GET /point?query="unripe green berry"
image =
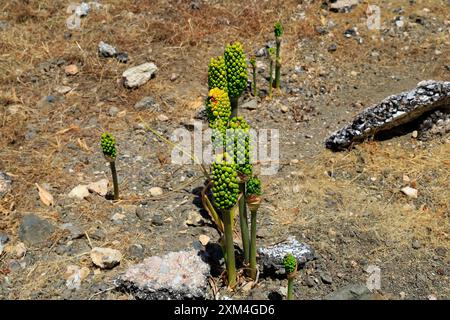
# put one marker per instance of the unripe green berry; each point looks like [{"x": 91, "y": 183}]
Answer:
[
  {"x": 108, "y": 144},
  {"x": 254, "y": 186},
  {"x": 290, "y": 263}
]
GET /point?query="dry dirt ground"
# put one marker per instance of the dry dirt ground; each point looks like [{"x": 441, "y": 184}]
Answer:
[{"x": 347, "y": 205}]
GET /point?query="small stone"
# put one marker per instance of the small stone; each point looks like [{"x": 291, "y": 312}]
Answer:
[
  {"x": 416, "y": 244},
  {"x": 414, "y": 134},
  {"x": 122, "y": 57},
  {"x": 34, "y": 230},
  {"x": 332, "y": 47},
  {"x": 146, "y": 103},
  {"x": 105, "y": 258},
  {"x": 284, "y": 109},
  {"x": 157, "y": 220},
  {"x": 296, "y": 189},
  {"x": 118, "y": 217},
  {"x": 173, "y": 77},
  {"x": 250, "y": 105},
  {"x": 5, "y": 184},
  {"x": 71, "y": 70},
  {"x": 410, "y": 192},
  {"x": 351, "y": 292},
  {"x": 20, "y": 250},
  {"x": 156, "y": 192},
  {"x": 432, "y": 297},
  {"x": 163, "y": 118},
  {"x": 326, "y": 278},
  {"x": 309, "y": 281},
  {"x": 74, "y": 276},
  {"x": 354, "y": 73},
  {"x": 343, "y": 6},
  {"x": 113, "y": 111},
  {"x": 137, "y": 76},
  {"x": 106, "y": 50},
  {"x": 194, "y": 219},
  {"x": 80, "y": 192},
  {"x": 63, "y": 89},
  {"x": 402, "y": 295},
  {"x": 204, "y": 239},
  {"x": 136, "y": 251},
  {"x": 100, "y": 187},
  {"x": 143, "y": 213},
  {"x": 75, "y": 232}
]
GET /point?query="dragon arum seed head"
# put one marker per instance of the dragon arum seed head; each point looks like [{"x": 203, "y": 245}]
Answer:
[
  {"x": 236, "y": 69},
  {"x": 278, "y": 29},
  {"x": 108, "y": 144},
  {"x": 239, "y": 146},
  {"x": 219, "y": 132},
  {"x": 218, "y": 105},
  {"x": 290, "y": 264},
  {"x": 225, "y": 183},
  {"x": 217, "y": 74}
]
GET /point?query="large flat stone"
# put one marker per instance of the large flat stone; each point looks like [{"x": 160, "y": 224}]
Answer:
[
  {"x": 177, "y": 275},
  {"x": 137, "y": 76},
  {"x": 34, "y": 230}
]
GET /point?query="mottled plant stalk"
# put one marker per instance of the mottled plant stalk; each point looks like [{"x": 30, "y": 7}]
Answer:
[
  {"x": 112, "y": 164},
  {"x": 270, "y": 77},
  {"x": 253, "y": 201},
  {"x": 278, "y": 31},
  {"x": 290, "y": 289},
  {"x": 234, "y": 106},
  {"x": 253, "y": 64},
  {"x": 229, "y": 248},
  {"x": 278, "y": 64},
  {"x": 243, "y": 220}
]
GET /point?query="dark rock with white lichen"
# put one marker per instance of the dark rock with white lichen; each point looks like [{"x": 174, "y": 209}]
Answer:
[{"x": 394, "y": 111}]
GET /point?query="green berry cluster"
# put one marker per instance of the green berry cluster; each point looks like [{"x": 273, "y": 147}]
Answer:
[
  {"x": 108, "y": 144},
  {"x": 238, "y": 144},
  {"x": 278, "y": 29},
  {"x": 236, "y": 69},
  {"x": 218, "y": 105},
  {"x": 290, "y": 263},
  {"x": 219, "y": 132},
  {"x": 217, "y": 74},
  {"x": 254, "y": 186},
  {"x": 225, "y": 188}
]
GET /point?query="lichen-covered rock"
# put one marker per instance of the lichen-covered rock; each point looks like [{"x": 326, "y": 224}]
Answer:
[
  {"x": 394, "y": 111},
  {"x": 177, "y": 275},
  {"x": 137, "y": 76},
  {"x": 271, "y": 257}
]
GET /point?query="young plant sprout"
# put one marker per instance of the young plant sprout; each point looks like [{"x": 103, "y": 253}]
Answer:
[
  {"x": 290, "y": 266},
  {"x": 217, "y": 74},
  {"x": 108, "y": 144},
  {"x": 239, "y": 147},
  {"x": 278, "y": 30},
  {"x": 271, "y": 58},
  {"x": 237, "y": 74},
  {"x": 225, "y": 192},
  {"x": 253, "y": 64},
  {"x": 253, "y": 199}
]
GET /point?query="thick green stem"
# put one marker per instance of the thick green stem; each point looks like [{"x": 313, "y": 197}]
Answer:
[
  {"x": 271, "y": 77},
  {"x": 278, "y": 64},
  {"x": 229, "y": 247},
  {"x": 115, "y": 182},
  {"x": 253, "y": 270},
  {"x": 290, "y": 293},
  {"x": 243, "y": 219},
  {"x": 255, "y": 93},
  {"x": 234, "y": 106}
]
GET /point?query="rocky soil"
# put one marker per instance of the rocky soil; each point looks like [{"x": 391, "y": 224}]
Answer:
[{"x": 61, "y": 237}]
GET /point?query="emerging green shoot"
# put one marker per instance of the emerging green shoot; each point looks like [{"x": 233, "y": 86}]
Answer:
[
  {"x": 278, "y": 30},
  {"x": 108, "y": 144},
  {"x": 290, "y": 266}
]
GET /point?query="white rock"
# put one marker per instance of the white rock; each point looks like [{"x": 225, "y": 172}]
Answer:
[
  {"x": 105, "y": 258},
  {"x": 74, "y": 276},
  {"x": 414, "y": 134},
  {"x": 163, "y": 118},
  {"x": 100, "y": 187},
  {"x": 20, "y": 250},
  {"x": 204, "y": 239},
  {"x": 410, "y": 192},
  {"x": 156, "y": 192},
  {"x": 194, "y": 219},
  {"x": 80, "y": 192},
  {"x": 63, "y": 89},
  {"x": 137, "y": 76},
  {"x": 118, "y": 217},
  {"x": 106, "y": 50}
]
